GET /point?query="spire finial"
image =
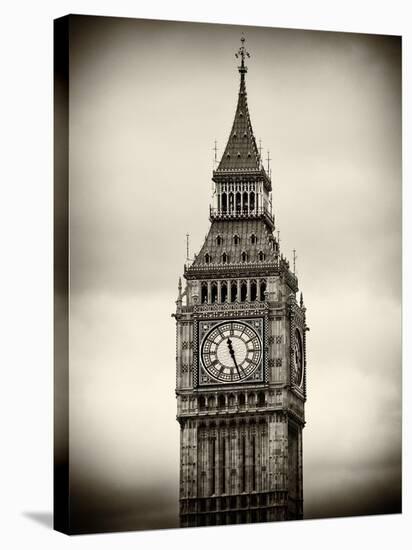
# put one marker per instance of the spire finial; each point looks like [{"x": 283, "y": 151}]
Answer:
[
  {"x": 215, "y": 149},
  {"x": 242, "y": 53},
  {"x": 187, "y": 247}
]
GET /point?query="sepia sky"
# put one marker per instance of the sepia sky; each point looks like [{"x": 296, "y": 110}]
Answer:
[{"x": 147, "y": 101}]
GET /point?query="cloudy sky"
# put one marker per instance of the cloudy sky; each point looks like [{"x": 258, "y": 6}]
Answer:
[{"x": 147, "y": 101}]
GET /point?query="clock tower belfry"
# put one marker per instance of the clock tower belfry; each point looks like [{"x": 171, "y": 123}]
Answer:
[{"x": 240, "y": 352}]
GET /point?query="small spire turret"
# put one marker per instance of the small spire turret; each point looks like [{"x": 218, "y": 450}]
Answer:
[
  {"x": 179, "y": 295},
  {"x": 294, "y": 261}
]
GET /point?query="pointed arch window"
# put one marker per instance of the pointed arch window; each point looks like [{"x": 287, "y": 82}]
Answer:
[
  {"x": 214, "y": 292},
  {"x": 261, "y": 256},
  {"x": 243, "y": 291},
  {"x": 224, "y": 203},
  {"x": 252, "y": 201},
  {"x": 253, "y": 238},
  {"x": 261, "y": 399},
  {"x": 253, "y": 290},
  {"x": 236, "y": 239},
  {"x": 244, "y": 257},
  {"x": 238, "y": 202},
  {"x": 262, "y": 290},
  {"x": 233, "y": 291},
  {"x": 208, "y": 258},
  {"x": 223, "y": 292},
  {"x": 225, "y": 258},
  {"x": 219, "y": 240},
  {"x": 245, "y": 201},
  {"x": 204, "y": 293}
]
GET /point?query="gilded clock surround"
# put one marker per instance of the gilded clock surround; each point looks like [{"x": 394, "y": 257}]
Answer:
[{"x": 240, "y": 436}]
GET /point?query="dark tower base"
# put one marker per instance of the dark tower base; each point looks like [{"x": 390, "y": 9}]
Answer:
[
  {"x": 240, "y": 466},
  {"x": 235, "y": 509}
]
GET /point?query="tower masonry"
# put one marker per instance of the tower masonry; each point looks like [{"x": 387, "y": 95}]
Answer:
[{"x": 240, "y": 352}]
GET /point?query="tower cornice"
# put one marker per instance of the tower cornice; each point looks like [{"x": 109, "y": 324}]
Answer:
[{"x": 226, "y": 175}]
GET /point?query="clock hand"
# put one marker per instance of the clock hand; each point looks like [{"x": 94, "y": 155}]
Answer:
[{"x": 232, "y": 354}]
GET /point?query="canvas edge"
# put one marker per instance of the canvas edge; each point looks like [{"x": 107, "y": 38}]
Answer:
[{"x": 61, "y": 506}]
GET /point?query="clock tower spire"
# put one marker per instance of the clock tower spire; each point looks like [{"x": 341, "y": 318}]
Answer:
[
  {"x": 241, "y": 162},
  {"x": 241, "y": 359}
]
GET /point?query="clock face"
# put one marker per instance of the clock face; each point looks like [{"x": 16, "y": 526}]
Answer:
[
  {"x": 298, "y": 358},
  {"x": 231, "y": 351}
]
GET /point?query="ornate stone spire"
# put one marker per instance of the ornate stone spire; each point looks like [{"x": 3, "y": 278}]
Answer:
[
  {"x": 242, "y": 186},
  {"x": 241, "y": 152}
]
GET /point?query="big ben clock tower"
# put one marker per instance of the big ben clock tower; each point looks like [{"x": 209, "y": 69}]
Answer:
[{"x": 240, "y": 353}]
